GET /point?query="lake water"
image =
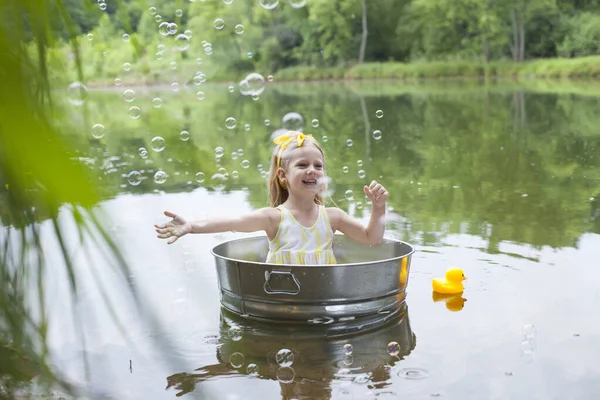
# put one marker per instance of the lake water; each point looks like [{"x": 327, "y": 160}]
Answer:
[{"x": 502, "y": 181}]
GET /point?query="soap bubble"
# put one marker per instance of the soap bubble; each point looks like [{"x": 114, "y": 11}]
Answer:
[
  {"x": 359, "y": 163},
  {"x": 159, "y": 55},
  {"x": 200, "y": 95},
  {"x": 230, "y": 123},
  {"x": 160, "y": 177},
  {"x": 198, "y": 60},
  {"x": 219, "y": 151},
  {"x": 129, "y": 95},
  {"x": 293, "y": 121},
  {"x": 239, "y": 29},
  {"x": 118, "y": 81},
  {"x": 377, "y": 134},
  {"x": 349, "y": 195},
  {"x": 173, "y": 65},
  {"x": 231, "y": 88},
  {"x": 182, "y": 42},
  {"x": 90, "y": 36},
  {"x": 361, "y": 174},
  {"x": 102, "y": 6},
  {"x": 315, "y": 123},
  {"x": 219, "y": 23},
  {"x": 236, "y": 360},
  {"x": 173, "y": 28},
  {"x": 157, "y": 102},
  {"x": 349, "y": 143},
  {"x": 393, "y": 348},
  {"x": 184, "y": 135},
  {"x": 285, "y": 357},
  {"x": 126, "y": 37},
  {"x": 152, "y": 10},
  {"x": 324, "y": 138},
  {"x": 178, "y": 12},
  {"x": 240, "y": 152},
  {"x": 285, "y": 374},
  {"x": 134, "y": 112},
  {"x": 270, "y": 78},
  {"x": 157, "y": 18},
  {"x": 529, "y": 331},
  {"x": 267, "y": 122},
  {"x": 126, "y": 67},
  {"x": 175, "y": 86},
  {"x": 297, "y": 3},
  {"x": 200, "y": 177},
  {"x": 163, "y": 28},
  {"x": 379, "y": 114},
  {"x": 158, "y": 144},
  {"x": 77, "y": 93},
  {"x": 235, "y": 174},
  {"x": 252, "y": 369},
  {"x": 345, "y": 169},
  {"x": 252, "y": 85},
  {"x": 143, "y": 152},
  {"x": 245, "y": 164},
  {"x": 247, "y": 127},
  {"x": 188, "y": 33},
  {"x": 250, "y": 54},
  {"x": 98, "y": 131},
  {"x": 134, "y": 178},
  {"x": 348, "y": 349},
  {"x": 227, "y": 2},
  {"x": 269, "y": 4}
]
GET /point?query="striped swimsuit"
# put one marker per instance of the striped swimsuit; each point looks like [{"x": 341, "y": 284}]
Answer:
[{"x": 297, "y": 244}]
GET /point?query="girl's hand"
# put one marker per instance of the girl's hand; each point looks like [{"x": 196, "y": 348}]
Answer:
[
  {"x": 377, "y": 194},
  {"x": 173, "y": 229}
]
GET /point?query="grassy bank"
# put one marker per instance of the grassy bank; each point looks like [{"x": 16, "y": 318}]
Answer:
[{"x": 583, "y": 67}]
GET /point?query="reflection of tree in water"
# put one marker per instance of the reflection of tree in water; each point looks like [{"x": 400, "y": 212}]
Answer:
[{"x": 320, "y": 362}]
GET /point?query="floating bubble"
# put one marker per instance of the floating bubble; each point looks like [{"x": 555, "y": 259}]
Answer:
[
  {"x": 379, "y": 114},
  {"x": 184, "y": 135},
  {"x": 269, "y": 4},
  {"x": 234, "y": 155},
  {"x": 349, "y": 143},
  {"x": 158, "y": 144},
  {"x": 157, "y": 102},
  {"x": 324, "y": 138},
  {"x": 77, "y": 93},
  {"x": 284, "y": 357},
  {"x": 200, "y": 95},
  {"x": 315, "y": 123},
  {"x": 345, "y": 169},
  {"x": 175, "y": 86},
  {"x": 200, "y": 177},
  {"x": 247, "y": 127},
  {"x": 118, "y": 81},
  {"x": 126, "y": 37},
  {"x": 163, "y": 28},
  {"x": 173, "y": 28},
  {"x": 359, "y": 163},
  {"x": 178, "y": 12},
  {"x": 219, "y": 24},
  {"x": 188, "y": 33},
  {"x": 252, "y": 85},
  {"x": 297, "y": 3},
  {"x": 348, "y": 349},
  {"x": 270, "y": 78},
  {"x": 129, "y": 95},
  {"x": 173, "y": 65},
  {"x": 227, "y": 2},
  {"x": 160, "y": 177},
  {"x": 245, "y": 164},
  {"x": 235, "y": 174},
  {"x": 161, "y": 47},
  {"x": 393, "y": 348},
  {"x": 235, "y": 333},
  {"x": 126, "y": 67},
  {"x": 143, "y": 152},
  {"x": 349, "y": 195},
  {"x": 240, "y": 152},
  {"x": 285, "y": 375},
  {"x": 182, "y": 42},
  {"x": 252, "y": 369},
  {"x": 219, "y": 151},
  {"x": 157, "y": 18},
  {"x": 90, "y": 36},
  {"x": 134, "y": 178},
  {"x": 250, "y": 54},
  {"x": 230, "y": 123},
  {"x": 134, "y": 112},
  {"x": 377, "y": 134},
  {"x": 159, "y": 55},
  {"x": 529, "y": 331},
  {"x": 199, "y": 61},
  {"x": 361, "y": 174},
  {"x": 152, "y": 10},
  {"x": 197, "y": 80},
  {"x": 236, "y": 360},
  {"x": 239, "y": 29},
  {"x": 98, "y": 131},
  {"x": 293, "y": 121},
  {"x": 102, "y": 6},
  {"x": 231, "y": 88}
]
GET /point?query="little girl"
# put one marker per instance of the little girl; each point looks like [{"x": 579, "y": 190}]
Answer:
[{"x": 300, "y": 229}]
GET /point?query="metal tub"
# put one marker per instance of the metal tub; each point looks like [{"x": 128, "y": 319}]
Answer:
[{"x": 367, "y": 280}]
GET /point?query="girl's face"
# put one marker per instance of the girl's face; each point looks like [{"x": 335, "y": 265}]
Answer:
[{"x": 305, "y": 171}]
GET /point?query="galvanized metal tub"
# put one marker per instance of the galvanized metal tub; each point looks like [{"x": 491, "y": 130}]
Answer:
[{"x": 367, "y": 280}]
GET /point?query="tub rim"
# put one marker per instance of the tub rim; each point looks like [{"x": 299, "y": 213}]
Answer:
[{"x": 212, "y": 251}]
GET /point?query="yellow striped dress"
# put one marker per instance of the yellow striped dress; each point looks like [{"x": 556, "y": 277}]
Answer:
[{"x": 297, "y": 244}]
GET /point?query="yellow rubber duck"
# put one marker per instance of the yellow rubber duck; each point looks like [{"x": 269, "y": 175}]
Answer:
[{"x": 452, "y": 283}]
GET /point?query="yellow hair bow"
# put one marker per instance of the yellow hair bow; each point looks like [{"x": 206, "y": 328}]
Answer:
[{"x": 285, "y": 141}]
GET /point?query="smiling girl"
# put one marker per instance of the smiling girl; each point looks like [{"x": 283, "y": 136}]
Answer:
[{"x": 299, "y": 227}]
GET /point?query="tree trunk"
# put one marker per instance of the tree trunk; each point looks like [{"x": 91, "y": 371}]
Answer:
[
  {"x": 486, "y": 48},
  {"x": 515, "y": 42},
  {"x": 522, "y": 34},
  {"x": 365, "y": 33}
]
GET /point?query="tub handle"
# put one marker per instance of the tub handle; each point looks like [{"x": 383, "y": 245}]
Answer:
[{"x": 269, "y": 290}]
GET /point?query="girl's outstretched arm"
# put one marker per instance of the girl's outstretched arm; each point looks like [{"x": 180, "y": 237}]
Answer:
[
  {"x": 264, "y": 219},
  {"x": 372, "y": 234}
]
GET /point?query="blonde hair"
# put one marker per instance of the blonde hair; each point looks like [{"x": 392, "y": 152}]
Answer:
[{"x": 278, "y": 194}]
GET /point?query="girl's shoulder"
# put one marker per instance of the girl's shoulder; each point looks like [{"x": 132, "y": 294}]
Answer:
[{"x": 334, "y": 214}]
